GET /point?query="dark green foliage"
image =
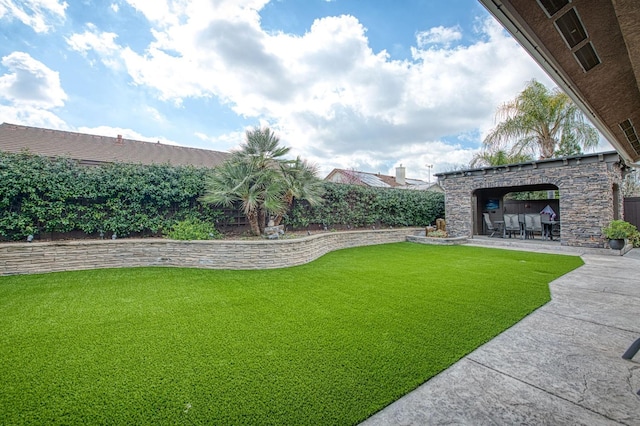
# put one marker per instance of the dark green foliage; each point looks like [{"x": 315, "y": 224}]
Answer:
[
  {"x": 619, "y": 230},
  {"x": 193, "y": 229},
  {"x": 530, "y": 195},
  {"x": 359, "y": 206},
  {"x": 568, "y": 146},
  {"x": 327, "y": 343},
  {"x": 38, "y": 194}
]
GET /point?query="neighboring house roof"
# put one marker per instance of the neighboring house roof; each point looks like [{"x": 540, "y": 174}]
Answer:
[
  {"x": 378, "y": 180},
  {"x": 92, "y": 149}
]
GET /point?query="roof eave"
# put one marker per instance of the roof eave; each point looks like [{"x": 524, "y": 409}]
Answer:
[{"x": 526, "y": 40}]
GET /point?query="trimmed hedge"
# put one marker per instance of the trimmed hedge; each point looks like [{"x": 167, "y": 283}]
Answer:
[
  {"x": 40, "y": 195},
  {"x": 362, "y": 206}
]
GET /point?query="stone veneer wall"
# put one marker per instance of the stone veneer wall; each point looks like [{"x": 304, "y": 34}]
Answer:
[
  {"x": 585, "y": 185},
  {"x": 28, "y": 258}
]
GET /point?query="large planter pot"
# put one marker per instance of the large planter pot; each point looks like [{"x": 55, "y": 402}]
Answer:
[{"x": 616, "y": 244}]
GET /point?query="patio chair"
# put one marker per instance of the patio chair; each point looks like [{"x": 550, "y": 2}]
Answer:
[
  {"x": 532, "y": 224},
  {"x": 521, "y": 222},
  {"x": 512, "y": 225},
  {"x": 489, "y": 225}
]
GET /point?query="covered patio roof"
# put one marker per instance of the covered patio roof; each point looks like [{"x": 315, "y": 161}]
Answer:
[{"x": 591, "y": 49}]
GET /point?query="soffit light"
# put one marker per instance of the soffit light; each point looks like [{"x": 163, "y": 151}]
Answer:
[
  {"x": 553, "y": 6},
  {"x": 571, "y": 28},
  {"x": 587, "y": 56},
  {"x": 630, "y": 132}
]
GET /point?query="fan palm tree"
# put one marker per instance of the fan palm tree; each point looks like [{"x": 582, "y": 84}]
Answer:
[
  {"x": 301, "y": 182},
  {"x": 500, "y": 157},
  {"x": 538, "y": 121},
  {"x": 262, "y": 148},
  {"x": 240, "y": 182},
  {"x": 261, "y": 180}
]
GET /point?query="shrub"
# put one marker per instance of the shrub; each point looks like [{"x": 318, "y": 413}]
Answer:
[
  {"x": 359, "y": 206},
  {"x": 619, "y": 230},
  {"x": 193, "y": 229},
  {"x": 438, "y": 234},
  {"x": 38, "y": 194},
  {"x": 635, "y": 239}
]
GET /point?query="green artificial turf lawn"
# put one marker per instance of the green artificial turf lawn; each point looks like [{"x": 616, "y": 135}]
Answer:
[{"x": 330, "y": 342}]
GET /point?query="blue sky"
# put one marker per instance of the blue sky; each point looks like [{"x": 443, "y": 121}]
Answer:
[{"x": 364, "y": 85}]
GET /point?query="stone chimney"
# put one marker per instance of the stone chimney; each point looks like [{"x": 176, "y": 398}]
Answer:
[
  {"x": 400, "y": 175},
  {"x": 119, "y": 140}
]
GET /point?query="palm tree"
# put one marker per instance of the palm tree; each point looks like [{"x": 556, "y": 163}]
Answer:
[
  {"x": 256, "y": 191},
  {"x": 301, "y": 182},
  {"x": 261, "y": 180},
  {"x": 537, "y": 121},
  {"x": 262, "y": 148},
  {"x": 500, "y": 157}
]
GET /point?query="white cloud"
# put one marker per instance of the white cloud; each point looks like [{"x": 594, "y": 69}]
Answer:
[
  {"x": 224, "y": 142},
  {"x": 92, "y": 39},
  {"x": 102, "y": 43},
  {"x": 31, "y": 116},
  {"x": 438, "y": 35},
  {"x": 115, "y": 7},
  {"x": 30, "y": 83},
  {"x": 41, "y": 15},
  {"x": 327, "y": 93},
  {"x": 153, "y": 113},
  {"x": 126, "y": 133}
]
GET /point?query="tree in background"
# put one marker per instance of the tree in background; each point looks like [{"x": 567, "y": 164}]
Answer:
[
  {"x": 486, "y": 158},
  {"x": 261, "y": 180},
  {"x": 543, "y": 123},
  {"x": 631, "y": 184}
]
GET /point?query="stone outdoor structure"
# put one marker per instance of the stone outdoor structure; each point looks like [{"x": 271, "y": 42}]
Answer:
[{"x": 589, "y": 188}]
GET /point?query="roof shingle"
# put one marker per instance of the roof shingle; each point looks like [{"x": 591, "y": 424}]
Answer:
[{"x": 92, "y": 149}]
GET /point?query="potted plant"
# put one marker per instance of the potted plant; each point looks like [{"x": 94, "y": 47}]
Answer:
[{"x": 617, "y": 232}]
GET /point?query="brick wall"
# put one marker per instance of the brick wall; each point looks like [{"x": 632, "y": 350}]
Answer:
[
  {"x": 586, "y": 187},
  {"x": 27, "y": 258}
]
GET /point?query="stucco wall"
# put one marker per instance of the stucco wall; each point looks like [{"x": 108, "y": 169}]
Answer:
[
  {"x": 585, "y": 185},
  {"x": 27, "y": 258}
]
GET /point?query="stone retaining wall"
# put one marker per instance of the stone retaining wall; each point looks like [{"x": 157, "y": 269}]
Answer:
[{"x": 29, "y": 258}]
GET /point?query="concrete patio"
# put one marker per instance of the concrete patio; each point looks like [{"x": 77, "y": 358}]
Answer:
[{"x": 560, "y": 365}]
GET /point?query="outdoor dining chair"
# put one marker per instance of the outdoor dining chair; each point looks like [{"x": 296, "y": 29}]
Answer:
[
  {"x": 532, "y": 224},
  {"x": 490, "y": 226},
  {"x": 512, "y": 225}
]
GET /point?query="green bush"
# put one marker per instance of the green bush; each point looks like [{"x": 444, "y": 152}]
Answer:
[
  {"x": 635, "y": 239},
  {"x": 38, "y": 194},
  {"x": 619, "y": 230},
  {"x": 438, "y": 234},
  {"x": 360, "y": 206},
  {"x": 193, "y": 229}
]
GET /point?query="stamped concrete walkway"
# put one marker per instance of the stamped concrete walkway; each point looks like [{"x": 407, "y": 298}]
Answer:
[{"x": 561, "y": 365}]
